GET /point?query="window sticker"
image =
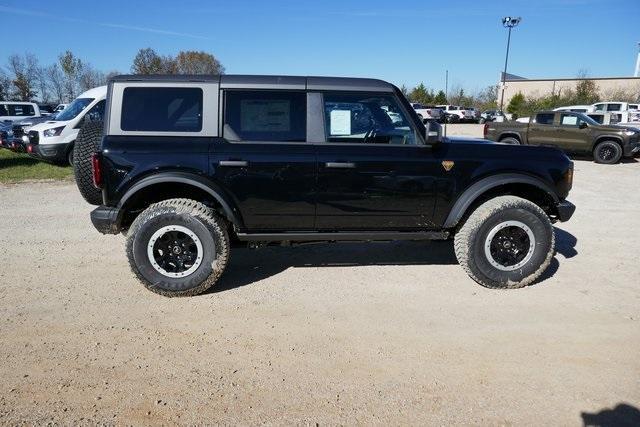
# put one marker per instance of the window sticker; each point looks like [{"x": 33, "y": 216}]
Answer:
[
  {"x": 265, "y": 115},
  {"x": 340, "y": 122},
  {"x": 570, "y": 120}
]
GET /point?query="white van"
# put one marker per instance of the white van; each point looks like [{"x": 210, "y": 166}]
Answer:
[
  {"x": 53, "y": 140},
  {"x": 10, "y": 111}
]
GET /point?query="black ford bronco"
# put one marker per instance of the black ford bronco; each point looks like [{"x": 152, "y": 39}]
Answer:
[{"x": 189, "y": 166}]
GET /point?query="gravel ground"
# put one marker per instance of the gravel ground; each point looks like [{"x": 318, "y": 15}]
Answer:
[{"x": 386, "y": 333}]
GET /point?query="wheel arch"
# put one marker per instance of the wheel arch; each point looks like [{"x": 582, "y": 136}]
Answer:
[
  {"x": 504, "y": 135},
  {"x": 170, "y": 185},
  {"x": 602, "y": 138},
  {"x": 525, "y": 186}
]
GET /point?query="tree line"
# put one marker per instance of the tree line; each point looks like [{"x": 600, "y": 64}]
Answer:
[
  {"x": 23, "y": 78},
  {"x": 483, "y": 100}
]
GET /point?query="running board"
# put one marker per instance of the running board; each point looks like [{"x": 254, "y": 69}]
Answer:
[{"x": 344, "y": 236}]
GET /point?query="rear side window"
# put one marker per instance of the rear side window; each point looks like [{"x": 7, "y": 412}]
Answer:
[
  {"x": 161, "y": 109},
  {"x": 3, "y": 110},
  {"x": 614, "y": 107},
  {"x": 19, "y": 110},
  {"x": 265, "y": 116},
  {"x": 545, "y": 118}
]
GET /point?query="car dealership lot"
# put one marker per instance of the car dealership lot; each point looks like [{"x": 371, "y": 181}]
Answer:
[{"x": 378, "y": 333}]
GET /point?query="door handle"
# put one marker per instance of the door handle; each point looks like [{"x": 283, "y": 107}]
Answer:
[
  {"x": 233, "y": 163},
  {"x": 340, "y": 165}
]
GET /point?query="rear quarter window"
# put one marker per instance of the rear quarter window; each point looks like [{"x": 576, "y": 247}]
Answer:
[{"x": 161, "y": 109}]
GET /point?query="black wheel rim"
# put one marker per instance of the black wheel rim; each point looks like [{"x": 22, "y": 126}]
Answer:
[
  {"x": 607, "y": 153},
  {"x": 510, "y": 246},
  {"x": 175, "y": 252}
]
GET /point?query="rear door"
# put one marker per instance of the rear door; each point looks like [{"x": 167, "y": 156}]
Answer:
[
  {"x": 263, "y": 158},
  {"x": 542, "y": 130},
  {"x": 373, "y": 173}
]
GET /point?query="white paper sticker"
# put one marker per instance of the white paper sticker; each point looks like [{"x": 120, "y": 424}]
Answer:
[{"x": 340, "y": 122}]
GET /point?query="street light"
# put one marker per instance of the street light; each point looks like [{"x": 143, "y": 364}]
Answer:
[{"x": 507, "y": 22}]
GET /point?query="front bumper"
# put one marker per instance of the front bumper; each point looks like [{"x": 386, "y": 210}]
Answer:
[
  {"x": 106, "y": 219},
  {"x": 50, "y": 152},
  {"x": 565, "y": 210},
  {"x": 632, "y": 149}
]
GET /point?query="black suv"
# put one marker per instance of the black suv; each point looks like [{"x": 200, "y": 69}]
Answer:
[{"x": 190, "y": 165}]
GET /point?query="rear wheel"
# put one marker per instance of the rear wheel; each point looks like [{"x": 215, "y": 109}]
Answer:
[
  {"x": 510, "y": 140},
  {"x": 507, "y": 242},
  {"x": 607, "y": 152},
  {"x": 178, "y": 247},
  {"x": 87, "y": 143}
]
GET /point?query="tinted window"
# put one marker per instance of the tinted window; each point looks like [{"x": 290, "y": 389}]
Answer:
[
  {"x": 614, "y": 107},
  {"x": 97, "y": 111},
  {"x": 597, "y": 117},
  {"x": 545, "y": 118},
  {"x": 20, "y": 110},
  {"x": 265, "y": 116},
  {"x": 599, "y": 107},
  {"x": 161, "y": 109},
  {"x": 366, "y": 118},
  {"x": 75, "y": 108}
]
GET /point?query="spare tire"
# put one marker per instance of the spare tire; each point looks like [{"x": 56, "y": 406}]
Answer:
[{"x": 87, "y": 143}]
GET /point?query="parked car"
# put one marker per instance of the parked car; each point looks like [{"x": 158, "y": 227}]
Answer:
[
  {"x": 10, "y": 110},
  {"x": 53, "y": 140},
  {"x": 629, "y": 112},
  {"x": 491, "y": 116},
  {"x": 571, "y": 132},
  {"x": 46, "y": 109},
  {"x": 428, "y": 112},
  {"x": 455, "y": 113},
  {"x": 475, "y": 113},
  {"x": 576, "y": 108},
  {"x": 260, "y": 159}
]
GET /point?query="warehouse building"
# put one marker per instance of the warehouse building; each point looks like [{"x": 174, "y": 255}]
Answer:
[{"x": 535, "y": 88}]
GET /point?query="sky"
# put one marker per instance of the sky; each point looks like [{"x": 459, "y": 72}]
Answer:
[{"x": 402, "y": 41}]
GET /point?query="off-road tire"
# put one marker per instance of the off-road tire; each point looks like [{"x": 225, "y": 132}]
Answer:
[
  {"x": 87, "y": 143},
  {"x": 210, "y": 229},
  {"x": 470, "y": 240},
  {"x": 607, "y": 147},
  {"x": 511, "y": 140}
]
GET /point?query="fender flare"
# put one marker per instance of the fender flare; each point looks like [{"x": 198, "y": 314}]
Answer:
[
  {"x": 477, "y": 189},
  {"x": 202, "y": 183},
  {"x": 607, "y": 137},
  {"x": 507, "y": 134}
]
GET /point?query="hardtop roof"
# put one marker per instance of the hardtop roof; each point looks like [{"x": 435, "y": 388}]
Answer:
[{"x": 268, "y": 81}]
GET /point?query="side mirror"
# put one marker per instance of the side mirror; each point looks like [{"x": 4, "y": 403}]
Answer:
[
  {"x": 433, "y": 132},
  {"x": 583, "y": 125}
]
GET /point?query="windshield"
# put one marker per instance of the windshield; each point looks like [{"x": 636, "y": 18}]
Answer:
[
  {"x": 73, "y": 109},
  {"x": 587, "y": 119}
]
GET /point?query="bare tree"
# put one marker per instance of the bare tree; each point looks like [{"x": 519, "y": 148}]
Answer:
[
  {"x": 23, "y": 71},
  {"x": 72, "y": 68},
  {"x": 90, "y": 78},
  {"x": 56, "y": 82},
  {"x": 5, "y": 86},
  {"x": 43, "y": 84}
]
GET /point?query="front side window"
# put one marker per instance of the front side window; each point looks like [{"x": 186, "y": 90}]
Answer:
[
  {"x": 261, "y": 115},
  {"x": 161, "y": 109},
  {"x": 569, "y": 120},
  {"x": 73, "y": 109},
  {"x": 545, "y": 118},
  {"x": 366, "y": 119},
  {"x": 599, "y": 107}
]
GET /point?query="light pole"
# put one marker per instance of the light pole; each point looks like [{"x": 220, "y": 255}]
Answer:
[{"x": 507, "y": 22}]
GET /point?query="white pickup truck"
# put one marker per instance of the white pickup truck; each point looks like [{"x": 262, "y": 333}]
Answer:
[
  {"x": 628, "y": 112},
  {"x": 427, "y": 112},
  {"x": 455, "y": 113},
  {"x": 11, "y": 111}
]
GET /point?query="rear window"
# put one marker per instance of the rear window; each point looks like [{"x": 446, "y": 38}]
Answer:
[
  {"x": 17, "y": 110},
  {"x": 545, "y": 118},
  {"x": 161, "y": 109}
]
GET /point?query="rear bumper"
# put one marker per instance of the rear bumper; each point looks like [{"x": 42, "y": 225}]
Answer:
[
  {"x": 565, "y": 210},
  {"x": 105, "y": 219}
]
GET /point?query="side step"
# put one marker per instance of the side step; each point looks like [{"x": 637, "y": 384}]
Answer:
[{"x": 344, "y": 236}]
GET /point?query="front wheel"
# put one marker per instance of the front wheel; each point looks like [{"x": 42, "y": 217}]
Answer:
[
  {"x": 178, "y": 247},
  {"x": 507, "y": 242},
  {"x": 607, "y": 152}
]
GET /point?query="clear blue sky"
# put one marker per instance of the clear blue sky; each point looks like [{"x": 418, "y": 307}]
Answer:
[{"x": 402, "y": 41}]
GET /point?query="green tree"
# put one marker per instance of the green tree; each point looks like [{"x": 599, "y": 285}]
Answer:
[
  {"x": 421, "y": 94},
  {"x": 586, "y": 92},
  {"x": 517, "y": 104},
  {"x": 72, "y": 68},
  {"x": 197, "y": 62},
  {"x": 440, "y": 98},
  {"x": 147, "y": 61}
]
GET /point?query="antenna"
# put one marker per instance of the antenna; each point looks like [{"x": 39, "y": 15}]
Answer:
[{"x": 637, "y": 72}]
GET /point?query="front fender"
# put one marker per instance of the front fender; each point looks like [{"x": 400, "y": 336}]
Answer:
[{"x": 471, "y": 194}]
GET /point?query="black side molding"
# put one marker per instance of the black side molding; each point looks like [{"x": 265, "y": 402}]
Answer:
[{"x": 344, "y": 236}]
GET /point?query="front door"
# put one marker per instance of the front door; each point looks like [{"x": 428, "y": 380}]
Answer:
[
  {"x": 374, "y": 171},
  {"x": 573, "y": 133},
  {"x": 264, "y": 161}
]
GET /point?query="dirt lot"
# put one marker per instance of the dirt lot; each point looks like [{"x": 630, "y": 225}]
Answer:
[{"x": 383, "y": 333}]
